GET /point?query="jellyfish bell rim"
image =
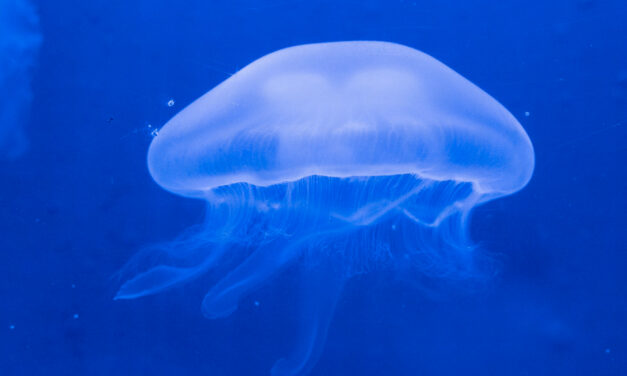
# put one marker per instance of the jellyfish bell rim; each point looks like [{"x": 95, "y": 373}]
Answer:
[
  {"x": 203, "y": 191},
  {"x": 198, "y": 186}
]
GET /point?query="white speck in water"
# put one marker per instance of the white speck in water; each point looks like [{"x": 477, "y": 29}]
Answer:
[
  {"x": 75, "y": 316},
  {"x": 527, "y": 113},
  {"x": 607, "y": 351},
  {"x": 11, "y": 327},
  {"x": 256, "y": 303},
  {"x": 154, "y": 133},
  {"x": 394, "y": 227},
  {"x": 171, "y": 103}
]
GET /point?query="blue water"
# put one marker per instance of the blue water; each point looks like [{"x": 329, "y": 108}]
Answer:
[{"x": 77, "y": 200}]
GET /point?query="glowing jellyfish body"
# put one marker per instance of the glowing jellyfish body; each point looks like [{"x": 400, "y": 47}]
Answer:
[
  {"x": 19, "y": 40},
  {"x": 345, "y": 157}
]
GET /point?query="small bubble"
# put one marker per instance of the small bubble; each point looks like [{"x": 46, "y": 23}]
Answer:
[
  {"x": 154, "y": 133},
  {"x": 75, "y": 316},
  {"x": 11, "y": 327},
  {"x": 256, "y": 303},
  {"x": 394, "y": 227},
  {"x": 607, "y": 351},
  {"x": 171, "y": 103},
  {"x": 73, "y": 286},
  {"x": 527, "y": 113}
]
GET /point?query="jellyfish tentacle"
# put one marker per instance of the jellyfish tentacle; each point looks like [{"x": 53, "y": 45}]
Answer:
[
  {"x": 162, "y": 277},
  {"x": 260, "y": 266},
  {"x": 153, "y": 281},
  {"x": 320, "y": 290},
  {"x": 266, "y": 261}
]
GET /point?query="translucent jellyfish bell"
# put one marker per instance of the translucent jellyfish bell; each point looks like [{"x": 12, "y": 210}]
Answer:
[
  {"x": 342, "y": 158},
  {"x": 342, "y": 109}
]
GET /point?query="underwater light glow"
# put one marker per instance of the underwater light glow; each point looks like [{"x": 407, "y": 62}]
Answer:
[{"x": 19, "y": 41}]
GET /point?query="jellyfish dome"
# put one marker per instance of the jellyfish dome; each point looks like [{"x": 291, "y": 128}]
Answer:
[{"x": 339, "y": 158}]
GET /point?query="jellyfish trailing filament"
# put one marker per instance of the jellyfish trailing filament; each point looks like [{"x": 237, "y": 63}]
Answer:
[{"x": 339, "y": 158}]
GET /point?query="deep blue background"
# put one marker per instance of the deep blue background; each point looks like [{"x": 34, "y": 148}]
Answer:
[{"x": 81, "y": 202}]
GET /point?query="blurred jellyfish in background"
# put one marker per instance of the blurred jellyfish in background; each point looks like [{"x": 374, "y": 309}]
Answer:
[
  {"x": 19, "y": 41},
  {"x": 338, "y": 159}
]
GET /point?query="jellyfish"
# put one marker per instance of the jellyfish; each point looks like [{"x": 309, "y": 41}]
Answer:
[
  {"x": 336, "y": 159},
  {"x": 19, "y": 41}
]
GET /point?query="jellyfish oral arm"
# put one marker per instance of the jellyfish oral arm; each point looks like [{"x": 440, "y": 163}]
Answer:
[
  {"x": 163, "y": 277},
  {"x": 264, "y": 263},
  {"x": 154, "y": 281},
  {"x": 319, "y": 293}
]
